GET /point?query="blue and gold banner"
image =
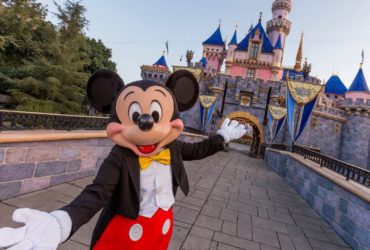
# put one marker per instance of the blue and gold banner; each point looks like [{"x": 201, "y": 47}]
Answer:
[
  {"x": 207, "y": 107},
  {"x": 276, "y": 119},
  {"x": 300, "y": 101}
]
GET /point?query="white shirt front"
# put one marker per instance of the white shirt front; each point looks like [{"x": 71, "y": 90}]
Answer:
[{"x": 155, "y": 189}]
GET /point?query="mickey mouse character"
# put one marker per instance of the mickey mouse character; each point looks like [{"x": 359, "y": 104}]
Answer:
[{"x": 137, "y": 182}]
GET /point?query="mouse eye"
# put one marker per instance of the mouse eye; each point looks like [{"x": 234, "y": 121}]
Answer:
[
  {"x": 156, "y": 111},
  {"x": 134, "y": 112}
]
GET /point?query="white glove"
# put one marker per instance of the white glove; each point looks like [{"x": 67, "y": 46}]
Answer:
[
  {"x": 231, "y": 131},
  {"x": 42, "y": 231}
]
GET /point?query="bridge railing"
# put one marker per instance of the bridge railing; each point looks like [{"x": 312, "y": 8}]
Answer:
[
  {"x": 16, "y": 120},
  {"x": 351, "y": 172}
]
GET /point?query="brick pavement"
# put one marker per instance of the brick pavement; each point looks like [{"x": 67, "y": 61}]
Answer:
[{"x": 235, "y": 202}]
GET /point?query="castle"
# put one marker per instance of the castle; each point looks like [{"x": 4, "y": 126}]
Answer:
[{"x": 340, "y": 123}]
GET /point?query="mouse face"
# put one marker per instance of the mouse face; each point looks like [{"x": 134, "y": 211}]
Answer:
[{"x": 144, "y": 114}]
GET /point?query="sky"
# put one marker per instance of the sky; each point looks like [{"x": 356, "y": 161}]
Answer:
[{"x": 335, "y": 31}]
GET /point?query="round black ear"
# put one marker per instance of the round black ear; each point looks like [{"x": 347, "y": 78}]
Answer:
[
  {"x": 184, "y": 87},
  {"x": 102, "y": 88}
]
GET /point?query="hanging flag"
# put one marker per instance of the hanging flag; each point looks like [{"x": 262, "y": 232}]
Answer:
[
  {"x": 207, "y": 107},
  {"x": 300, "y": 101},
  {"x": 167, "y": 47},
  {"x": 276, "y": 119}
]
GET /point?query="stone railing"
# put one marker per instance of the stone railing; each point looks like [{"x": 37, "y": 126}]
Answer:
[
  {"x": 16, "y": 120},
  {"x": 345, "y": 205},
  {"x": 33, "y": 160}
]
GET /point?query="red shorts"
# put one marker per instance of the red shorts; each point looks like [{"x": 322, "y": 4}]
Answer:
[{"x": 142, "y": 233}]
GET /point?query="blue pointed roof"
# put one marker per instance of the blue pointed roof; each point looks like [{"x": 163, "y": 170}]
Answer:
[
  {"x": 278, "y": 44},
  {"x": 161, "y": 62},
  {"x": 359, "y": 84},
  {"x": 215, "y": 39},
  {"x": 203, "y": 61},
  {"x": 335, "y": 86},
  {"x": 266, "y": 45},
  {"x": 234, "y": 40}
]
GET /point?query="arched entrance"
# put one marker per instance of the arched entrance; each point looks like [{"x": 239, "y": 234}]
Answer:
[{"x": 256, "y": 136}]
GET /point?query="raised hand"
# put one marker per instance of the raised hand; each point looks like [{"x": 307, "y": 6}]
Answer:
[
  {"x": 231, "y": 130},
  {"x": 42, "y": 231}
]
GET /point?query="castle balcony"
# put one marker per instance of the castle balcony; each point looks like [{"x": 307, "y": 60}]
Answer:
[
  {"x": 279, "y": 24},
  {"x": 252, "y": 63}
]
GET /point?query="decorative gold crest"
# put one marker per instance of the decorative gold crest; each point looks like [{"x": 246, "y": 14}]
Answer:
[
  {"x": 207, "y": 101},
  {"x": 277, "y": 112},
  {"x": 303, "y": 93}
]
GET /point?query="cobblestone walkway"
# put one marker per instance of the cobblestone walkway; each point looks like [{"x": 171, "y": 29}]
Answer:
[{"x": 234, "y": 203}]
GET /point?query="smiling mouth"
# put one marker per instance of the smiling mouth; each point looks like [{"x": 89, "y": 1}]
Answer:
[{"x": 146, "y": 149}]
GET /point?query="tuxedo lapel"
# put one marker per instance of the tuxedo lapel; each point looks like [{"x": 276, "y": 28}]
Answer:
[
  {"x": 134, "y": 171},
  {"x": 174, "y": 161}
]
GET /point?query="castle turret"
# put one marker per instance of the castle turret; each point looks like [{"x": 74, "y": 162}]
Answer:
[
  {"x": 280, "y": 24},
  {"x": 355, "y": 147},
  {"x": 335, "y": 88},
  {"x": 233, "y": 44},
  {"x": 358, "y": 88},
  {"x": 214, "y": 52},
  {"x": 157, "y": 72},
  {"x": 277, "y": 70}
]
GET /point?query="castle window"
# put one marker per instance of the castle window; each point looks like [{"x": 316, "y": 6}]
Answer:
[
  {"x": 251, "y": 73},
  {"x": 254, "y": 52}
]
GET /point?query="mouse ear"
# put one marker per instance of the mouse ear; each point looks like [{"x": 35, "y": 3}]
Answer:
[
  {"x": 185, "y": 88},
  {"x": 102, "y": 88}
]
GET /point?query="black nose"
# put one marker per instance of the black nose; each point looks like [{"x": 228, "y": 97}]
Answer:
[{"x": 145, "y": 122}]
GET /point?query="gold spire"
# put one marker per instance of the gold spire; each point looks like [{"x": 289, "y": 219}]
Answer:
[{"x": 298, "y": 62}]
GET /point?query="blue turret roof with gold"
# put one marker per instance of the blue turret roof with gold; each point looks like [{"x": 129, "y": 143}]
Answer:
[
  {"x": 215, "y": 38},
  {"x": 359, "y": 84},
  {"x": 335, "y": 86},
  {"x": 278, "y": 44},
  {"x": 234, "y": 40},
  {"x": 161, "y": 62},
  {"x": 266, "y": 44}
]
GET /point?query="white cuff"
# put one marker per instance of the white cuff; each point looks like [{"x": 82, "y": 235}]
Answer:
[
  {"x": 65, "y": 223},
  {"x": 224, "y": 134}
]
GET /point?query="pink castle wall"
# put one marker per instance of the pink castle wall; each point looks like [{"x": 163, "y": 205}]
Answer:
[
  {"x": 237, "y": 71},
  {"x": 264, "y": 74},
  {"x": 357, "y": 95},
  {"x": 213, "y": 62}
]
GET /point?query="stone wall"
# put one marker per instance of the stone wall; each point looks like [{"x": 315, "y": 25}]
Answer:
[
  {"x": 30, "y": 166},
  {"x": 328, "y": 193}
]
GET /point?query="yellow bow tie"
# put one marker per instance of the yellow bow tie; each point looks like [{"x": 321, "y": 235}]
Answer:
[{"x": 163, "y": 157}]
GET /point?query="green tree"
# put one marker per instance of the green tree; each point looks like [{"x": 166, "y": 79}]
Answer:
[{"x": 43, "y": 66}]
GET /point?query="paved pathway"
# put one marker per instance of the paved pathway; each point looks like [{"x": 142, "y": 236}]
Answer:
[{"x": 234, "y": 203}]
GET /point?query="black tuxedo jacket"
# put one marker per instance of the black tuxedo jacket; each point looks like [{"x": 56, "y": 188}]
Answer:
[{"x": 117, "y": 184}]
